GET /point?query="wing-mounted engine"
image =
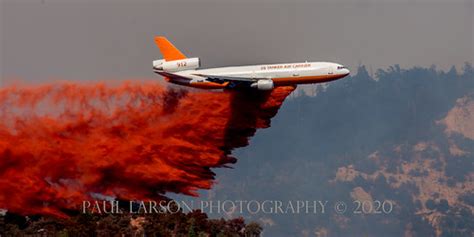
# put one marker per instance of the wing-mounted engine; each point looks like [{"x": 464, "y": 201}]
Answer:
[
  {"x": 177, "y": 65},
  {"x": 263, "y": 84}
]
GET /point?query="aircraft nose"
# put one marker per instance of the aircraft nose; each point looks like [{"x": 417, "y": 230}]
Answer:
[
  {"x": 341, "y": 70},
  {"x": 345, "y": 71}
]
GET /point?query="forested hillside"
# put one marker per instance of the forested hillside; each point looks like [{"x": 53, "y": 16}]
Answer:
[{"x": 404, "y": 135}]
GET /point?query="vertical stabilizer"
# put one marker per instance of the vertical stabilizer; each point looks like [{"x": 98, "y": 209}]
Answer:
[{"x": 169, "y": 51}]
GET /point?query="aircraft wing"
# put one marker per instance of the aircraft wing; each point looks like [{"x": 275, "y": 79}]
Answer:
[
  {"x": 232, "y": 82},
  {"x": 228, "y": 78},
  {"x": 219, "y": 78},
  {"x": 172, "y": 75},
  {"x": 216, "y": 78}
]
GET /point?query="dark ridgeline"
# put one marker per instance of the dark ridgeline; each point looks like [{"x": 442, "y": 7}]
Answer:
[{"x": 192, "y": 224}]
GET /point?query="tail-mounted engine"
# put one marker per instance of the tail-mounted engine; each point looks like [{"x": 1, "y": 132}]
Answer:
[{"x": 177, "y": 65}]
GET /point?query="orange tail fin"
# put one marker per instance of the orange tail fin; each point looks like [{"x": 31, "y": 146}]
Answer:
[{"x": 170, "y": 53}]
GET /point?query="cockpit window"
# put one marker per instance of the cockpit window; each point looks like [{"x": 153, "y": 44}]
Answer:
[{"x": 340, "y": 67}]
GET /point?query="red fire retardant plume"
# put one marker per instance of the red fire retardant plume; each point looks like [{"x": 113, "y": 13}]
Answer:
[{"x": 62, "y": 143}]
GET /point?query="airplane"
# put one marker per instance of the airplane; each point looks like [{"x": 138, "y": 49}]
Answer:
[{"x": 178, "y": 69}]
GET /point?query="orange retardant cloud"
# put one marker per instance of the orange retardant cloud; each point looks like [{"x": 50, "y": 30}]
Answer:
[{"x": 135, "y": 141}]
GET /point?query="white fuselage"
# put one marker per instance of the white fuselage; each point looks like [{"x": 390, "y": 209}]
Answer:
[{"x": 281, "y": 74}]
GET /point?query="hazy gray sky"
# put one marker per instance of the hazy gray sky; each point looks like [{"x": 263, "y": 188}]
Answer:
[{"x": 109, "y": 39}]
